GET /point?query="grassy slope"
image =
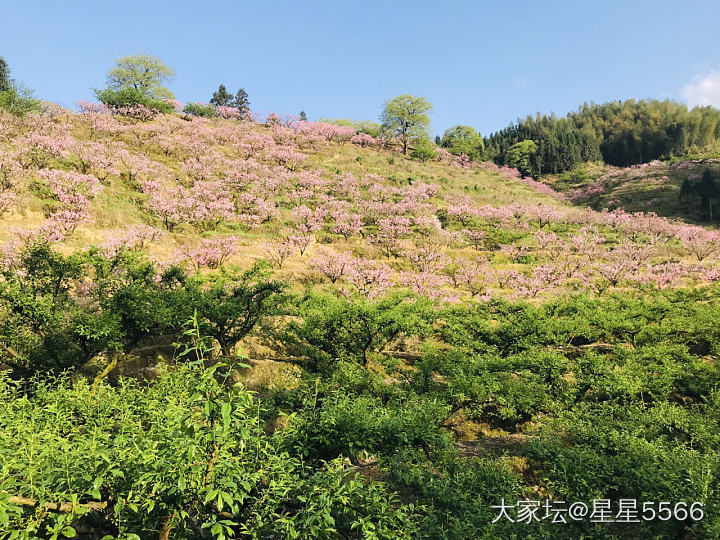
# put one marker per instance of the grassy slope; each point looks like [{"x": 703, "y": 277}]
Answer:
[
  {"x": 651, "y": 188},
  {"x": 120, "y": 204}
]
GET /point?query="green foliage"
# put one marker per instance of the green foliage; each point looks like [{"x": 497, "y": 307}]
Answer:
[
  {"x": 186, "y": 455},
  {"x": 361, "y": 126},
  {"x": 222, "y": 98},
  {"x": 6, "y": 83},
  {"x": 423, "y": 150},
  {"x": 145, "y": 302},
  {"x": 465, "y": 140},
  {"x": 200, "y": 109},
  {"x": 44, "y": 326},
  {"x": 144, "y": 73},
  {"x": 576, "y": 399},
  {"x": 633, "y": 131},
  {"x": 19, "y": 102},
  {"x": 335, "y": 328},
  {"x": 661, "y": 452},
  {"x": 406, "y": 117},
  {"x": 47, "y": 325},
  {"x": 352, "y": 426},
  {"x": 458, "y": 493},
  {"x": 519, "y": 156},
  {"x": 129, "y": 97},
  {"x": 231, "y": 303},
  {"x": 705, "y": 189},
  {"x": 242, "y": 102},
  {"x": 620, "y": 133}
]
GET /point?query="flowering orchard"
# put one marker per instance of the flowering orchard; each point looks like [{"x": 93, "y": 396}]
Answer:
[{"x": 253, "y": 184}]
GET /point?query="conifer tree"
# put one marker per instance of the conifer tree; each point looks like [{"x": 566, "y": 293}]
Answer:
[
  {"x": 5, "y": 81},
  {"x": 242, "y": 103},
  {"x": 221, "y": 98}
]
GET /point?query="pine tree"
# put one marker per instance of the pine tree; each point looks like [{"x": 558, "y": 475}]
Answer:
[
  {"x": 221, "y": 98},
  {"x": 5, "y": 81},
  {"x": 242, "y": 103},
  {"x": 303, "y": 116}
]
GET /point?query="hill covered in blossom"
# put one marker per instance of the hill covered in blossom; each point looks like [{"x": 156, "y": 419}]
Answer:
[{"x": 326, "y": 205}]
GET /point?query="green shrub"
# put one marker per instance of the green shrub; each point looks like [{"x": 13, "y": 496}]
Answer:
[
  {"x": 200, "y": 109},
  {"x": 423, "y": 150},
  {"x": 186, "y": 455},
  {"x": 129, "y": 97},
  {"x": 19, "y": 103}
]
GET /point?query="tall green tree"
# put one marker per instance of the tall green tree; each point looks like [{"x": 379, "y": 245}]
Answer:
[
  {"x": 242, "y": 102},
  {"x": 145, "y": 73},
  {"x": 463, "y": 140},
  {"x": 15, "y": 98},
  {"x": 406, "y": 117},
  {"x": 222, "y": 98},
  {"x": 520, "y": 154},
  {"x": 5, "y": 81}
]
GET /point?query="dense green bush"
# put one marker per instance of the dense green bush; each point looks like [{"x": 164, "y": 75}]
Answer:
[
  {"x": 423, "y": 150},
  {"x": 185, "y": 455},
  {"x": 128, "y": 97},
  {"x": 333, "y": 328},
  {"x": 200, "y": 109},
  {"x": 19, "y": 103},
  {"x": 574, "y": 399},
  {"x": 61, "y": 311}
]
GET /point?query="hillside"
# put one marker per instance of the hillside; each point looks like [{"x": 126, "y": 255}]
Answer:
[
  {"x": 124, "y": 153},
  {"x": 651, "y": 187},
  {"x": 223, "y": 328},
  {"x": 246, "y": 184}
]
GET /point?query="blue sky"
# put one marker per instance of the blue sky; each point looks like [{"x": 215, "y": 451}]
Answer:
[{"x": 482, "y": 64}]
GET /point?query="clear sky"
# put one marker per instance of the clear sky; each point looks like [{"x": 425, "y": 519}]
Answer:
[{"x": 480, "y": 63}]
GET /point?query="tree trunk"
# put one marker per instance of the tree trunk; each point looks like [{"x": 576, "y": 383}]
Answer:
[
  {"x": 166, "y": 527},
  {"x": 105, "y": 372}
]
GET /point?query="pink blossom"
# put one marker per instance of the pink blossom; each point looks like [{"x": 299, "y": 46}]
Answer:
[
  {"x": 699, "y": 242},
  {"x": 346, "y": 223},
  {"x": 473, "y": 275},
  {"x": 475, "y": 237},
  {"x": 425, "y": 283},
  {"x": 370, "y": 278},
  {"x": 389, "y": 237},
  {"x": 211, "y": 252},
  {"x": 133, "y": 237},
  {"x": 428, "y": 259},
  {"x": 280, "y": 250},
  {"x": 364, "y": 140},
  {"x": 228, "y": 112},
  {"x": 514, "y": 251},
  {"x": 332, "y": 264}
]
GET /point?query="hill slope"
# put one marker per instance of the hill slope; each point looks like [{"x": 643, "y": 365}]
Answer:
[
  {"x": 307, "y": 195},
  {"x": 651, "y": 187}
]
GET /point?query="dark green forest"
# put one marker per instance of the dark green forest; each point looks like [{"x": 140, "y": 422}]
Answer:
[{"x": 621, "y": 133}]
